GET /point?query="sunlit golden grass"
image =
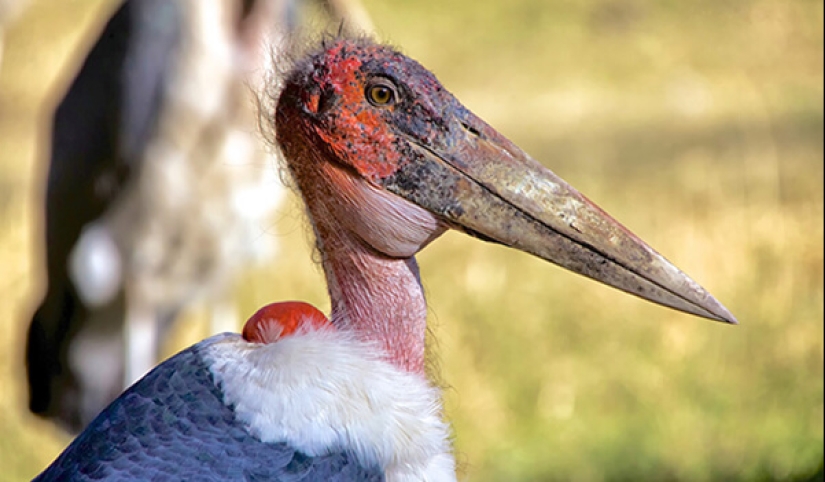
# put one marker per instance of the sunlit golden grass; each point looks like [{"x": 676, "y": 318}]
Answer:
[{"x": 697, "y": 124}]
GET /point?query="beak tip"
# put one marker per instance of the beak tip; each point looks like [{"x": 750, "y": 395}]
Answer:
[
  {"x": 720, "y": 313},
  {"x": 730, "y": 319}
]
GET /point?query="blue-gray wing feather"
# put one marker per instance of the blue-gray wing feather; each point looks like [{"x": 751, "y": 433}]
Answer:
[{"x": 174, "y": 425}]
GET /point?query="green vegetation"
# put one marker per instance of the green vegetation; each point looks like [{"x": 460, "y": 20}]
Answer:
[{"x": 697, "y": 124}]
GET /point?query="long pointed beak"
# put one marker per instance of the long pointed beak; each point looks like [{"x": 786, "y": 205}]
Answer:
[{"x": 480, "y": 182}]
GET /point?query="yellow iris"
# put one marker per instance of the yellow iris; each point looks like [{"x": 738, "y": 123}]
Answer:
[{"x": 380, "y": 95}]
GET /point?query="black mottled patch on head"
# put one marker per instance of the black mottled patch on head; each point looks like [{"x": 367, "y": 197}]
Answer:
[{"x": 427, "y": 184}]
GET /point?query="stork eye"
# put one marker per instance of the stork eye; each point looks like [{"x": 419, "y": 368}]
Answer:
[{"x": 381, "y": 94}]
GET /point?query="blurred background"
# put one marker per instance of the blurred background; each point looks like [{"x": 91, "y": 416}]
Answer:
[{"x": 699, "y": 125}]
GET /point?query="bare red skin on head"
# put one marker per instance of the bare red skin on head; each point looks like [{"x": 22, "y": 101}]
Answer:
[
  {"x": 354, "y": 132},
  {"x": 278, "y": 320}
]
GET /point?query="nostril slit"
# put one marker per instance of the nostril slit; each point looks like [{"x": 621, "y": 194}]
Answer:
[
  {"x": 328, "y": 99},
  {"x": 472, "y": 129}
]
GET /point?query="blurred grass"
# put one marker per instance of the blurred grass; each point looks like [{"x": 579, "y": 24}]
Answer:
[{"x": 698, "y": 124}]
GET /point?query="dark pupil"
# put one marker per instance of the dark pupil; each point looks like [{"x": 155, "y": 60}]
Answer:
[{"x": 381, "y": 94}]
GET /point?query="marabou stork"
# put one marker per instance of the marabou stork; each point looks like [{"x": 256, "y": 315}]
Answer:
[
  {"x": 386, "y": 160},
  {"x": 158, "y": 191}
]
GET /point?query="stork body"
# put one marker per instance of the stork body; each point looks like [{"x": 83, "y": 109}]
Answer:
[
  {"x": 210, "y": 413},
  {"x": 224, "y": 437},
  {"x": 386, "y": 160}
]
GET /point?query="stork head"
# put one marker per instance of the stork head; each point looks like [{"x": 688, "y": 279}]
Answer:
[{"x": 397, "y": 159}]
